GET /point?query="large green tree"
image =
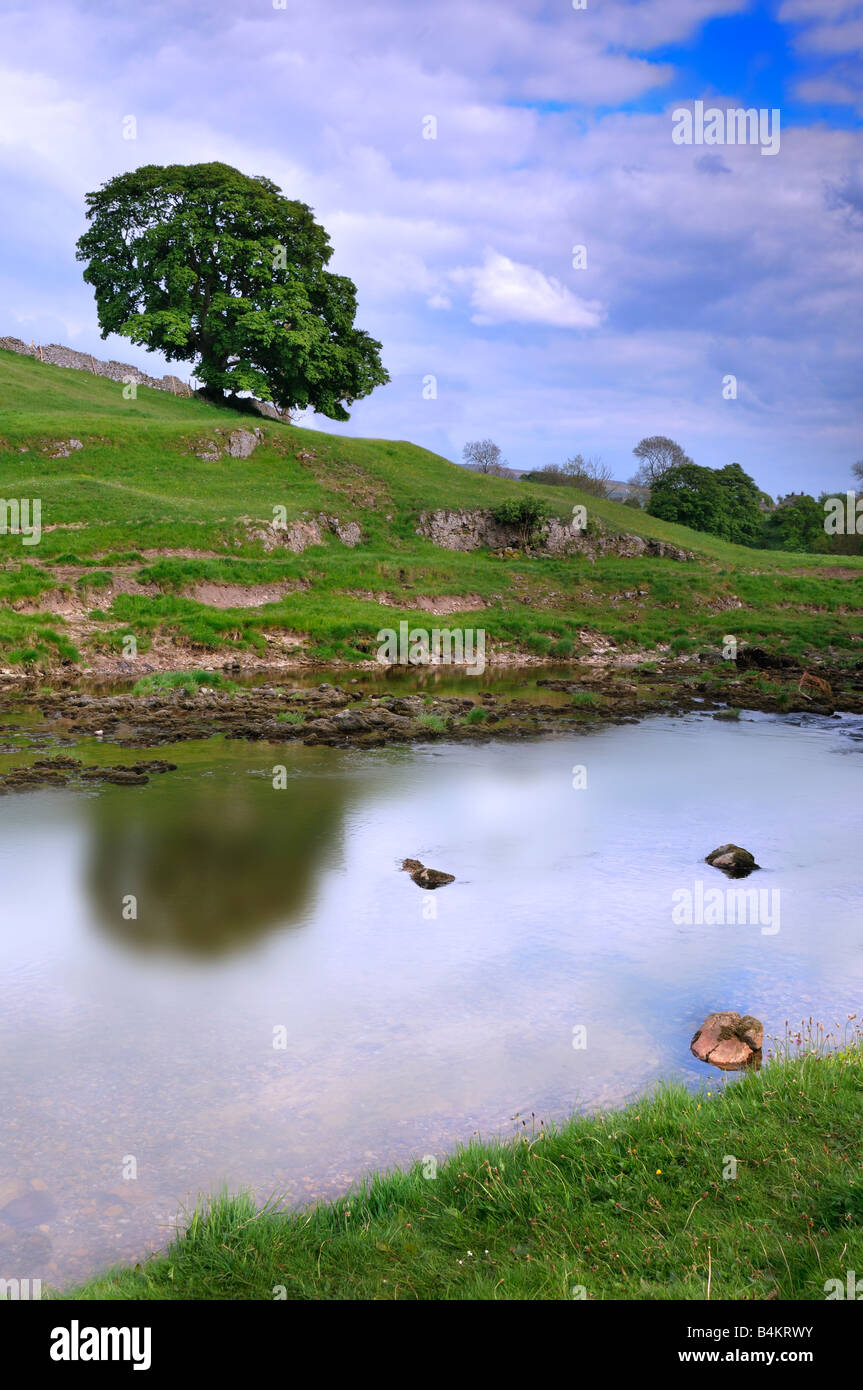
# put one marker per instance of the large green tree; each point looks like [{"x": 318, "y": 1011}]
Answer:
[
  {"x": 689, "y": 495},
  {"x": 723, "y": 501},
  {"x": 741, "y": 505},
  {"x": 796, "y": 524},
  {"x": 212, "y": 267}
]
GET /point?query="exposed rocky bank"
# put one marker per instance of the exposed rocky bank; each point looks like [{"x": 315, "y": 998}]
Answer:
[{"x": 340, "y": 715}]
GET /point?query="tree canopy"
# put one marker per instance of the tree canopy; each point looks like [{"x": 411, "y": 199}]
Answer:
[
  {"x": 484, "y": 456},
  {"x": 656, "y": 454},
  {"x": 741, "y": 504},
  {"x": 723, "y": 501},
  {"x": 216, "y": 268},
  {"x": 689, "y": 495},
  {"x": 796, "y": 524}
]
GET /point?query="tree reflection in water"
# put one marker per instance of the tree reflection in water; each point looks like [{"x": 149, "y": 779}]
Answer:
[{"x": 212, "y": 861}]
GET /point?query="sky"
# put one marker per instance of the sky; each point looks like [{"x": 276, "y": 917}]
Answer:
[{"x": 457, "y": 151}]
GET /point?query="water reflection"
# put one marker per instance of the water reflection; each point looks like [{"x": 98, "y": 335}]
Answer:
[
  {"x": 212, "y": 862},
  {"x": 410, "y": 1019}
]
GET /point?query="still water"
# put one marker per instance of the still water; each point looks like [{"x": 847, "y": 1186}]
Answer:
[{"x": 288, "y": 1010}]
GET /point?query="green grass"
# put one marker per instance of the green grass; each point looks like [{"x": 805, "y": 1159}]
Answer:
[
  {"x": 433, "y": 722},
  {"x": 190, "y": 681},
  {"x": 634, "y": 1204},
  {"x": 136, "y": 496},
  {"x": 477, "y": 715},
  {"x": 586, "y": 699}
]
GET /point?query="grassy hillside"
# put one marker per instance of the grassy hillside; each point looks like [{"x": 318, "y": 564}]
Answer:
[
  {"x": 142, "y": 537},
  {"x": 639, "y": 1204}
]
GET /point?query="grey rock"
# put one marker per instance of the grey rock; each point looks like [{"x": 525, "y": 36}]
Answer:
[
  {"x": 242, "y": 443},
  {"x": 209, "y": 452},
  {"x": 477, "y": 529}
]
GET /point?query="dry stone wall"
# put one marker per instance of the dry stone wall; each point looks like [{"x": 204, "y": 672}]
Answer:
[{"x": 59, "y": 356}]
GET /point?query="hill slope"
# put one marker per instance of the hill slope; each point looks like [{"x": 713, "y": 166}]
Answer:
[{"x": 143, "y": 537}]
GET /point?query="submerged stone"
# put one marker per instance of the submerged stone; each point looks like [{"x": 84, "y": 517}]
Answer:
[
  {"x": 733, "y": 860},
  {"x": 426, "y": 878}
]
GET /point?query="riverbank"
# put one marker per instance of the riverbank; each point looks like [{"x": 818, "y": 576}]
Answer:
[
  {"x": 360, "y": 712},
  {"x": 170, "y": 534},
  {"x": 635, "y": 1204}
]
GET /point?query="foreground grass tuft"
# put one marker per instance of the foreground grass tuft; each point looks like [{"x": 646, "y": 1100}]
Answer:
[
  {"x": 636, "y": 1204},
  {"x": 190, "y": 681},
  {"x": 433, "y": 722}
]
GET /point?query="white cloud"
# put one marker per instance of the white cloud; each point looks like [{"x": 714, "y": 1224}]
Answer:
[
  {"x": 795, "y": 11},
  {"x": 832, "y": 90},
  {"x": 845, "y": 37},
  {"x": 829, "y": 29},
  {"x": 504, "y": 291},
  {"x": 689, "y": 275}
]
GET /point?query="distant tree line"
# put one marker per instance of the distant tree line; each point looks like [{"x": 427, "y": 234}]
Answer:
[
  {"x": 727, "y": 502},
  {"x": 588, "y": 475},
  {"x": 724, "y": 502}
]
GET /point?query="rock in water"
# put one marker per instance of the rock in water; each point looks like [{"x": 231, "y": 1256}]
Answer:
[
  {"x": 732, "y": 860},
  {"x": 729, "y": 1041},
  {"x": 426, "y": 878}
]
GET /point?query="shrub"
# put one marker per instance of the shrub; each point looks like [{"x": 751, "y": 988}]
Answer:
[{"x": 525, "y": 513}]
